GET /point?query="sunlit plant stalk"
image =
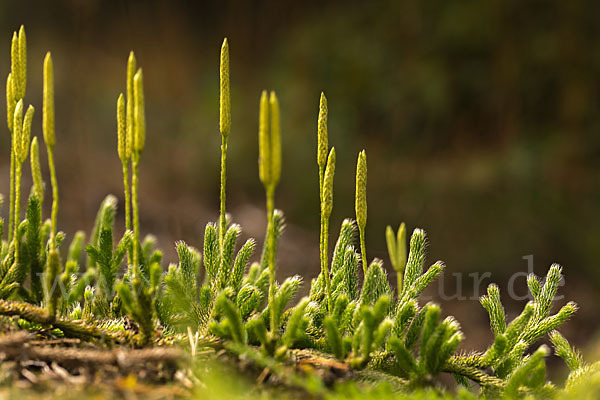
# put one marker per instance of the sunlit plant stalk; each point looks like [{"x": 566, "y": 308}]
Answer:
[
  {"x": 361, "y": 204},
  {"x": 21, "y": 141},
  {"x": 396, "y": 244},
  {"x": 269, "y": 165},
  {"x": 326, "y": 208},
  {"x": 15, "y": 90},
  {"x": 139, "y": 138},
  {"x": 224, "y": 127},
  {"x": 36, "y": 170},
  {"x": 126, "y": 143},
  {"x": 49, "y": 138},
  {"x": 323, "y": 161},
  {"x": 10, "y": 113}
]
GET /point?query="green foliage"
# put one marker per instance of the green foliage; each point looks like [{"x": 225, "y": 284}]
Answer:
[
  {"x": 368, "y": 328},
  {"x": 108, "y": 263}
]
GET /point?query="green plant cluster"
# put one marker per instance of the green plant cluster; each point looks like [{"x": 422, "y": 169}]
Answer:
[{"x": 351, "y": 314}]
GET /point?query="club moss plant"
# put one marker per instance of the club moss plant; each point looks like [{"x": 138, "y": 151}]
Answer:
[{"x": 351, "y": 318}]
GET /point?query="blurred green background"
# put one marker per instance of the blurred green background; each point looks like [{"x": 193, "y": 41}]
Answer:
[{"x": 479, "y": 118}]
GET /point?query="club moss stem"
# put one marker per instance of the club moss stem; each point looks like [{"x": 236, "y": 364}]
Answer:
[{"x": 54, "y": 184}]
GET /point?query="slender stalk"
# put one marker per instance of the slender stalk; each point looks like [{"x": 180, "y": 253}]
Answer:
[
  {"x": 326, "y": 208},
  {"x": 49, "y": 137},
  {"x": 139, "y": 139},
  {"x": 124, "y": 132},
  {"x": 54, "y": 183},
  {"x": 399, "y": 277},
  {"x": 17, "y": 209},
  {"x": 223, "y": 219},
  {"x": 361, "y": 204},
  {"x": 127, "y": 203},
  {"x": 321, "y": 227},
  {"x": 224, "y": 128},
  {"x": 363, "y": 249},
  {"x": 12, "y": 193},
  {"x": 324, "y": 241},
  {"x": 271, "y": 247},
  {"x": 325, "y": 269},
  {"x": 134, "y": 204},
  {"x": 322, "y": 250}
]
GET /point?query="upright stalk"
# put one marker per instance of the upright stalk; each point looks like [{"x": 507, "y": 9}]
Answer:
[
  {"x": 271, "y": 246},
  {"x": 361, "y": 204},
  {"x": 139, "y": 140},
  {"x": 322, "y": 162},
  {"x": 54, "y": 183},
  {"x": 126, "y": 140},
  {"x": 136, "y": 215},
  {"x": 21, "y": 141},
  {"x": 224, "y": 127},
  {"x": 223, "y": 218},
  {"x": 363, "y": 249},
  {"x": 49, "y": 138},
  {"x": 12, "y": 192},
  {"x": 324, "y": 260},
  {"x": 127, "y": 193},
  {"x": 269, "y": 171},
  {"x": 326, "y": 208},
  {"x": 17, "y": 210}
]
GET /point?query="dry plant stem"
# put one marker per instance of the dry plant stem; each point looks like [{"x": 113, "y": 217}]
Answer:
[
  {"x": 40, "y": 316},
  {"x": 54, "y": 183},
  {"x": 19, "y": 345}
]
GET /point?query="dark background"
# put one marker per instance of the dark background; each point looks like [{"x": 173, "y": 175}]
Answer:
[{"x": 479, "y": 118}]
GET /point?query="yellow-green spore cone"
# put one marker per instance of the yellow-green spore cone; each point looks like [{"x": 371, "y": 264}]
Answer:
[
  {"x": 23, "y": 60},
  {"x": 121, "y": 129},
  {"x": 396, "y": 244},
  {"x": 139, "y": 137},
  {"x": 49, "y": 137},
  {"x": 225, "y": 102},
  {"x": 264, "y": 142},
  {"x": 224, "y": 127},
  {"x": 25, "y": 139},
  {"x": 361, "y": 203},
  {"x": 131, "y": 69},
  {"x": 322, "y": 140},
  {"x": 36, "y": 170},
  {"x": 327, "y": 201},
  {"x": 11, "y": 102},
  {"x": 275, "y": 140},
  {"x": 17, "y": 129},
  {"x": 48, "y": 106},
  {"x": 326, "y": 208}
]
